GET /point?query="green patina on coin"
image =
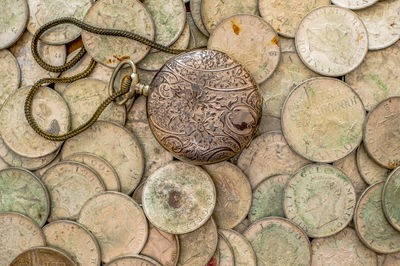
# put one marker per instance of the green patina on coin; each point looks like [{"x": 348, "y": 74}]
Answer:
[{"x": 391, "y": 199}]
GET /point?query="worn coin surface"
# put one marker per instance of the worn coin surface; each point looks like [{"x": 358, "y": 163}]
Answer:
[
  {"x": 287, "y": 44},
  {"x": 132, "y": 260},
  {"x": 382, "y": 133},
  {"x": 344, "y": 248},
  {"x": 225, "y": 250},
  {"x": 354, "y": 4},
  {"x": 331, "y": 40},
  {"x": 240, "y": 228},
  {"x": 10, "y": 75},
  {"x": 18, "y": 233},
  {"x": 179, "y": 197},
  {"x": 370, "y": 171},
  {"x": 198, "y": 247},
  {"x": 390, "y": 199},
  {"x": 197, "y": 38},
  {"x": 13, "y": 19},
  {"x": 43, "y": 256},
  {"x": 371, "y": 225},
  {"x": 242, "y": 250},
  {"x": 320, "y": 199},
  {"x": 74, "y": 239},
  {"x": 130, "y": 15},
  {"x": 3, "y": 164},
  {"x": 249, "y": 40},
  {"x": 117, "y": 222},
  {"x": 268, "y": 197},
  {"x": 268, "y": 155},
  {"x": 41, "y": 171},
  {"x": 50, "y": 112},
  {"x": 322, "y": 119},
  {"x": 276, "y": 241},
  {"x": 268, "y": 123},
  {"x": 195, "y": 9},
  {"x": 116, "y": 145}
]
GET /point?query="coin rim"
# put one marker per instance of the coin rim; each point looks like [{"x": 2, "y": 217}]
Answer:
[
  {"x": 18, "y": 74},
  {"x": 129, "y": 257},
  {"x": 204, "y": 29},
  {"x": 65, "y": 254},
  {"x": 384, "y": 206},
  {"x": 229, "y": 246},
  {"x": 354, "y": 8},
  {"x": 21, "y": 30},
  {"x": 358, "y": 161}
]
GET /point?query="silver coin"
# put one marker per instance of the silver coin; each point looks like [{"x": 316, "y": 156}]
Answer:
[
  {"x": 195, "y": 9},
  {"x": 13, "y": 19},
  {"x": 354, "y": 4},
  {"x": 10, "y": 75}
]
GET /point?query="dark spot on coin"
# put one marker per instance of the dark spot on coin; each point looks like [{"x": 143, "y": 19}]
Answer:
[
  {"x": 236, "y": 28},
  {"x": 174, "y": 199},
  {"x": 212, "y": 262},
  {"x": 124, "y": 57},
  {"x": 54, "y": 127},
  {"x": 275, "y": 41}
]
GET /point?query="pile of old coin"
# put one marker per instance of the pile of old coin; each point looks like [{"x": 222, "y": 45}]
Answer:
[{"x": 317, "y": 185}]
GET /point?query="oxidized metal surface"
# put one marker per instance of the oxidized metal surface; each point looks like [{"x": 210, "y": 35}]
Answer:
[
  {"x": 320, "y": 199},
  {"x": 130, "y": 15},
  {"x": 370, "y": 171},
  {"x": 203, "y": 107},
  {"x": 195, "y": 9},
  {"x": 322, "y": 119},
  {"x": 10, "y": 75},
  {"x": 225, "y": 250},
  {"x": 50, "y": 112},
  {"x": 130, "y": 261},
  {"x": 391, "y": 199},
  {"x": 331, "y": 40},
  {"x": 249, "y": 40},
  {"x": 43, "y": 256},
  {"x": 117, "y": 222},
  {"x": 43, "y": 11},
  {"x": 242, "y": 250},
  {"x": 268, "y": 155},
  {"x": 344, "y": 248},
  {"x": 371, "y": 225},
  {"x": 276, "y": 241},
  {"x": 233, "y": 194},
  {"x": 116, "y": 145},
  {"x": 285, "y": 16},
  {"x": 269, "y": 123},
  {"x": 178, "y": 198},
  {"x": 13, "y": 18},
  {"x": 74, "y": 239},
  {"x": 197, "y": 38},
  {"x": 70, "y": 185},
  {"x": 381, "y": 133},
  {"x": 18, "y": 233},
  {"x": 354, "y": 4}
]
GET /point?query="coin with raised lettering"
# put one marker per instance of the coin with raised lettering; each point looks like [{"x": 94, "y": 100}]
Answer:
[
  {"x": 322, "y": 119},
  {"x": 370, "y": 171},
  {"x": 331, "y": 40},
  {"x": 10, "y": 75},
  {"x": 13, "y": 19},
  {"x": 390, "y": 199},
  {"x": 382, "y": 133},
  {"x": 276, "y": 241},
  {"x": 74, "y": 239},
  {"x": 195, "y": 9},
  {"x": 242, "y": 250},
  {"x": 354, "y": 4},
  {"x": 116, "y": 145},
  {"x": 268, "y": 123},
  {"x": 117, "y": 222},
  {"x": 197, "y": 38},
  {"x": 18, "y": 233},
  {"x": 132, "y": 260},
  {"x": 43, "y": 256}
]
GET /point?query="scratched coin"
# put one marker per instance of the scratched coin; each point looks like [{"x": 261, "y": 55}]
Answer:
[
  {"x": 381, "y": 133},
  {"x": 43, "y": 11},
  {"x": 320, "y": 199},
  {"x": 10, "y": 75},
  {"x": 331, "y": 40},
  {"x": 84, "y": 97},
  {"x": 117, "y": 222},
  {"x": 269, "y": 123},
  {"x": 242, "y": 250},
  {"x": 322, "y": 119},
  {"x": 13, "y": 19},
  {"x": 268, "y": 155},
  {"x": 276, "y": 241},
  {"x": 354, "y": 4},
  {"x": 233, "y": 194},
  {"x": 344, "y": 248},
  {"x": 43, "y": 256},
  {"x": 390, "y": 199},
  {"x": 249, "y": 40},
  {"x": 49, "y": 110},
  {"x": 226, "y": 257},
  {"x": 268, "y": 197},
  {"x": 18, "y": 233},
  {"x": 285, "y": 16},
  {"x": 130, "y": 15},
  {"x": 132, "y": 260},
  {"x": 370, "y": 171},
  {"x": 197, "y": 38},
  {"x": 74, "y": 239},
  {"x": 30, "y": 69},
  {"x": 22, "y": 192},
  {"x": 179, "y": 198},
  {"x": 195, "y": 9},
  {"x": 371, "y": 225},
  {"x": 116, "y": 145}
]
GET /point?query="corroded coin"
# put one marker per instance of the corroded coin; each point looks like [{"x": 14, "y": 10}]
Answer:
[
  {"x": 276, "y": 241},
  {"x": 43, "y": 11},
  {"x": 344, "y": 248},
  {"x": 130, "y": 15},
  {"x": 269, "y": 123},
  {"x": 242, "y": 250},
  {"x": 249, "y": 40},
  {"x": 70, "y": 185},
  {"x": 43, "y": 256},
  {"x": 285, "y": 16},
  {"x": 132, "y": 260},
  {"x": 268, "y": 155},
  {"x": 13, "y": 19},
  {"x": 84, "y": 97},
  {"x": 390, "y": 199},
  {"x": 226, "y": 257},
  {"x": 197, "y": 38},
  {"x": 50, "y": 112},
  {"x": 195, "y": 9},
  {"x": 268, "y": 198},
  {"x": 178, "y": 198},
  {"x": 370, "y": 171},
  {"x": 322, "y": 119},
  {"x": 18, "y": 233},
  {"x": 320, "y": 199},
  {"x": 117, "y": 222},
  {"x": 74, "y": 239},
  {"x": 116, "y": 145},
  {"x": 233, "y": 194},
  {"x": 354, "y": 4},
  {"x": 381, "y": 133},
  {"x": 371, "y": 225},
  {"x": 10, "y": 74},
  {"x": 331, "y": 40}
]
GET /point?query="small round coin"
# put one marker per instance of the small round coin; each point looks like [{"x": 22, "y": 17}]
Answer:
[
  {"x": 370, "y": 171},
  {"x": 10, "y": 75},
  {"x": 391, "y": 199},
  {"x": 13, "y": 19},
  {"x": 242, "y": 250},
  {"x": 226, "y": 257},
  {"x": 195, "y": 9},
  {"x": 331, "y": 40},
  {"x": 354, "y": 4},
  {"x": 43, "y": 256},
  {"x": 132, "y": 261}
]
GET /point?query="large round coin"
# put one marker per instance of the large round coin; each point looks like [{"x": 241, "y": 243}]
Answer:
[
  {"x": 331, "y": 40},
  {"x": 243, "y": 252},
  {"x": 10, "y": 75},
  {"x": 320, "y": 199},
  {"x": 43, "y": 256},
  {"x": 178, "y": 198},
  {"x": 370, "y": 171},
  {"x": 13, "y": 18},
  {"x": 391, "y": 199},
  {"x": 117, "y": 222},
  {"x": 322, "y": 119}
]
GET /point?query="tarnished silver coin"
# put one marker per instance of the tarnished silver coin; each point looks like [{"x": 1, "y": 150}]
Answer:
[
  {"x": 195, "y": 9},
  {"x": 13, "y": 19},
  {"x": 197, "y": 38},
  {"x": 10, "y": 75},
  {"x": 390, "y": 199},
  {"x": 354, "y": 4},
  {"x": 269, "y": 123},
  {"x": 242, "y": 250},
  {"x": 370, "y": 171},
  {"x": 331, "y": 40}
]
